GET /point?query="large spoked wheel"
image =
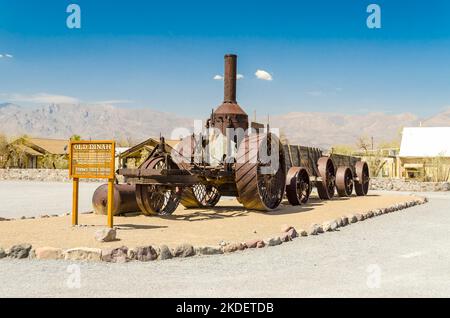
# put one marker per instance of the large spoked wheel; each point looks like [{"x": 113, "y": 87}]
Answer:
[
  {"x": 200, "y": 196},
  {"x": 260, "y": 172},
  {"x": 298, "y": 186},
  {"x": 325, "y": 188},
  {"x": 157, "y": 199},
  {"x": 363, "y": 178},
  {"x": 344, "y": 181}
]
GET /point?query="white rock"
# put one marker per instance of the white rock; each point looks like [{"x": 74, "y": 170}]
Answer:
[
  {"x": 47, "y": 253},
  {"x": 83, "y": 254},
  {"x": 105, "y": 235}
]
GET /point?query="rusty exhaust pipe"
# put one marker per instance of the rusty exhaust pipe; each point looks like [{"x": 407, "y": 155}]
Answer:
[
  {"x": 230, "y": 78},
  {"x": 229, "y": 114}
]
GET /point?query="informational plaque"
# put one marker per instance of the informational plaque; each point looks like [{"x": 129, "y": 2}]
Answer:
[{"x": 92, "y": 159}]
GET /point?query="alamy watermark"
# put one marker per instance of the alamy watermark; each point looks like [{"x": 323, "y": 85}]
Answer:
[
  {"x": 74, "y": 279},
  {"x": 374, "y": 278},
  {"x": 73, "y": 21},
  {"x": 374, "y": 19}
]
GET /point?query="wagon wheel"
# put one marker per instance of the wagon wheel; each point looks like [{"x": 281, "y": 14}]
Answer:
[
  {"x": 325, "y": 188},
  {"x": 155, "y": 199},
  {"x": 200, "y": 196},
  {"x": 362, "y": 181},
  {"x": 344, "y": 181},
  {"x": 298, "y": 186},
  {"x": 260, "y": 182}
]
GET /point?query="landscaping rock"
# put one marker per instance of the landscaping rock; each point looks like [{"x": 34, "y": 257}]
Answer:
[
  {"x": 184, "y": 250},
  {"x": 285, "y": 237},
  {"x": 48, "y": 253},
  {"x": 359, "y": 217},
  {"x": 329, "y": 226},
  {"x": 315, "y": 229},
  {"x": 208, "y": 250},
  {"x": 326, "y": 226},
  {"x": 2, "y": 253},
  {"x": 233, "y": 247},
  {"x": 105, "y": 235},
  {"x": 116, "y": 255},
  {"x": 407, "y": 185},
  {"x": 273, "y": 241},
  {"x": 3, "y": 219},
  {"x": 368, "y": 214},
  {"x": 352, "y": 218},
  {"x": 255, "y": 243},
  {"x": 164, "y": 253},
  {"x": 20, "y": 251},
  {"x": 146, "y": 254},
  {"x": 32, "y": 254},
  {"x": 302, "y": 232},
  {"x": 292, "y": 233},
  {"x": 344, "y": 221},
  {"x": 83, "y": 254},
  {"x": 132, "y": 254}
]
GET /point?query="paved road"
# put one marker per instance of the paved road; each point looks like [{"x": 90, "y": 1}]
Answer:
[
  {"x": 31, "y": 198},
  {"x": 400, "y": 254}
]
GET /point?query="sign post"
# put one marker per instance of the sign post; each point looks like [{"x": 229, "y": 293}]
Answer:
[{"x": 92, "y": 160}]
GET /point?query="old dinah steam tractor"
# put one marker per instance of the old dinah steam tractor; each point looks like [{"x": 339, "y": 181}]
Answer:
[{"x": 233, "y": 157}]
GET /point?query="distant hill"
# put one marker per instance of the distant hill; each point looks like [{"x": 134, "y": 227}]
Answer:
[
  {"x": 105, "y": 122},
  {"x": 327, "y": 129},
  {"x": 88, "y": 121}
]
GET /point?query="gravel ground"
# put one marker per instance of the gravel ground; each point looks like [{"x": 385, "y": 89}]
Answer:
[
  {"x": 402, "y": 254},
  {"x": 18, "y": 198}
]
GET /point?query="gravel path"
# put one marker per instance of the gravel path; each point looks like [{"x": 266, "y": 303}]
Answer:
[
  {"x": 18, "y": 198},
  {"x": 401, "y": 254}
]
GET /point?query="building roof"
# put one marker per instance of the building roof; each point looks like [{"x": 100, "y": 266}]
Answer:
[
  {"x": 425, "y": 142},
  {"x": 148, "y": 144},
  {"x": 28, "y": 150},
  {"x": 52, "y": 146}
]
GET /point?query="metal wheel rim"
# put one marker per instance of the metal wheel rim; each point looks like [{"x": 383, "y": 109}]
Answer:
[
  {"x": 257, "y": 190},
  {"x": 155, "y": 199}
]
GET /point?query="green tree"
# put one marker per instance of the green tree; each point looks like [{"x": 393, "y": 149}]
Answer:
[{"x": 75, "y": 138}]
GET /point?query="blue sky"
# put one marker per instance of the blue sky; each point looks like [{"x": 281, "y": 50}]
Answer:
[{"x": 164, "y": 55}]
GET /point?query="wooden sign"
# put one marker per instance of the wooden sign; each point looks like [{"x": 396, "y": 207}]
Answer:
[{"x": 92, "y": 159}]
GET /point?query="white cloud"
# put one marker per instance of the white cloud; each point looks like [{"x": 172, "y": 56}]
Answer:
[
  {"x": 263, "y": 75},
  {"x": 113, "y": 102},
  {"x": 220, "y": 77},
  {"x": 10, "y": 56},
  {"x": 43, "y": 98}
]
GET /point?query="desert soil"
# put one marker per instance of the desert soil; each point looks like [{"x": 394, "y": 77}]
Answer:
[{"x": 228, "y": 222}]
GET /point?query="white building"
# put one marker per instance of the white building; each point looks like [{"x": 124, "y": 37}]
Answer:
[{"x": 425, "y": 153}]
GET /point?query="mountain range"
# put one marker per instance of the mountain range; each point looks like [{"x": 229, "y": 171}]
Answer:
[{"x": 106, "y": 122}]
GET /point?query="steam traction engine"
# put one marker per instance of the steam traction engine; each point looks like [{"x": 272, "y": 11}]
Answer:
[{"x": 232, "y": 158}]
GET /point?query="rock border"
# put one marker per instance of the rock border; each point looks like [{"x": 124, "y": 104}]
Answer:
[
  {"x": 152, "y": 253},
  {"x": 42, "y": 216}
]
